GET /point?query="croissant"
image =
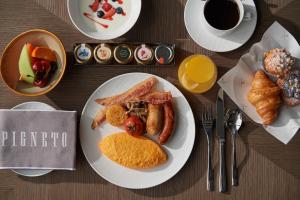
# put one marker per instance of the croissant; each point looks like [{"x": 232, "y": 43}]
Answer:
[{"x": 265, "y": 96}]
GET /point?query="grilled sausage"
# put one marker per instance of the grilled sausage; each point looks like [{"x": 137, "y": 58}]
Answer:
[
  {"x": 168, "y": 123},
  {"x": 154, "y": 119}
]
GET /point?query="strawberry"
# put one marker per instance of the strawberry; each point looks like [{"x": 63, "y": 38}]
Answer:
[
  {"x": 106, "y": 7},
  {"x": 95, "y": 5}
]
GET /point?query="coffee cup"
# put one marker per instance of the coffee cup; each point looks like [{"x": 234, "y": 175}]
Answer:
[{"x": 223, "y": 17}]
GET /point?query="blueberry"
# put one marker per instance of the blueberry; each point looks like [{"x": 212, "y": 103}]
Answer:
[
  {"x": 100, "y": 13},
  {"x": 297, "y": 95},
  {"x": 119, "y": 10}
]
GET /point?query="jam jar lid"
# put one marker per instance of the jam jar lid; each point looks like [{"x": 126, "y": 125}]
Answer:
[
  {"x": 103, "y": 53},
  {"x": 164, "y": 54},
  {"x": 83, "y": 53},
  {"x": 123, "y": 54},
  {"x": 143, "y": 54}
]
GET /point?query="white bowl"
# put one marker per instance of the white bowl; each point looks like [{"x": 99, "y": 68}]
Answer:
[{"x": 117, "y": 27}]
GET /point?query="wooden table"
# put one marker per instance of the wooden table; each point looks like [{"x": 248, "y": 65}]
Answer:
[{"x": 268, "y": 168}]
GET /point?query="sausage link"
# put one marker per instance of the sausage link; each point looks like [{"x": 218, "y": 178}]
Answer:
[
  {"x": 154, "y": 120},
  {"x": 168, "y": 123}
]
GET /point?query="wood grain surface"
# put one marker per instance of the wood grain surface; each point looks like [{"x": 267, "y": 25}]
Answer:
[{"x": 269, "y": 170}]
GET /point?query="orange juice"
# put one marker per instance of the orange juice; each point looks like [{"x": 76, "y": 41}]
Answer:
[{"x": 197, "y": 73}]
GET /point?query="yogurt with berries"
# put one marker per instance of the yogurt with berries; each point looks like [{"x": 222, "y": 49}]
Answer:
[{"x": 105, "y": 15}]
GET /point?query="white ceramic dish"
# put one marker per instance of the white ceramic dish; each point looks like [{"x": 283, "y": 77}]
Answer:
[
  {"x": 178, "y": 147},
  {"x": 116, "y": 27},
  {"x": 194, "y": 23},
  {"x": 237, "y": 81},
  {"x": 33, "y": 106}
]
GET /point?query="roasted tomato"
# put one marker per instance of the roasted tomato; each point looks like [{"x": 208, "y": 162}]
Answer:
[{"x": 134, "y": 126}]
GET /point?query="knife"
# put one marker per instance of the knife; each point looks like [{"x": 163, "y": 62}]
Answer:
[{"x": 221, "y": 134}]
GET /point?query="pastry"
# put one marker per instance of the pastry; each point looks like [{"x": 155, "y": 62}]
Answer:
[
  {"x": 265, "y": 96},
  {"x": 133, "y": 152},
  {"x": 290, "y": 86},
  {"x": 278, "y": 62}
]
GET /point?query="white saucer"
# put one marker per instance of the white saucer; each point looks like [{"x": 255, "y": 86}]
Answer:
[
  {"x": 32, "y": 106},
  {"x": 194, "y": 24}
]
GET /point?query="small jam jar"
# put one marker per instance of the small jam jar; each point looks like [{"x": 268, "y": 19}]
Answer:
[
  {"x": 123, "y": 54},
  {"x": 103, "y": 53},
  {"x": 164, "y": 54},
  {"x": 83, "y": 53},
  {"x": 143, "y": 54}
]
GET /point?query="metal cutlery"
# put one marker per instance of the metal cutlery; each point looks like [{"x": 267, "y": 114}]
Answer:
[
  {"x": 234, "y": 122},
  {"x": 207, "y": 122},
  {"x": 222, "y": 138}
]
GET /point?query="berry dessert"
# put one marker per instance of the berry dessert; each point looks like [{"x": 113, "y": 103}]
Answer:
[
  {"x": 106, "y": 10},
  {"x": 278, "y": 62},
  {"x": 290, "y": 86},
  {"x": 37, "y": 64}
]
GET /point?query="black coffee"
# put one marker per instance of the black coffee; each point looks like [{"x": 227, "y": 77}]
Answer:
[{"x": 222, "y": 14}]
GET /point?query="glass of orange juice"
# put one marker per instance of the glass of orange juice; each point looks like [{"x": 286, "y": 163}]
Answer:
[{"x": 197, "y": 73}]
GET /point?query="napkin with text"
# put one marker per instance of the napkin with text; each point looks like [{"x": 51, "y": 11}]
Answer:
[{"x": 37, "y": 139}]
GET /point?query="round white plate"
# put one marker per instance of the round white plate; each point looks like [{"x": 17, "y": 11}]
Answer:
[
  {"x": 32, "y": 106},
  {"x": 178, "y": 147},
  {"x": 193, "y": 20},
  {"x": 116, "y": 27}
]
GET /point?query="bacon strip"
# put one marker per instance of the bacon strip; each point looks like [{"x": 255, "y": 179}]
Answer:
[
  {"x": 99, "y": 118},
  {"x": 155, "y": 97},
  {"x": 138, "y": 90}
]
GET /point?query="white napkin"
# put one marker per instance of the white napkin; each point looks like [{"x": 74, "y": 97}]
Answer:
[{"x": 236, "y": 82}]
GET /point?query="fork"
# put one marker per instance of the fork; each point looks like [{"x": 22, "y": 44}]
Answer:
[{"x": 207, "y": 122}]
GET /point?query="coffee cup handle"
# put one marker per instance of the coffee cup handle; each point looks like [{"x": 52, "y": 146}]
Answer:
[{"x": 247, "y": 16}]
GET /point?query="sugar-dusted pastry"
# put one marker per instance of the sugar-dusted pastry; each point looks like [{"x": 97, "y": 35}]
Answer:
[
  {"x": 290, "y": 86},
  {"x": 278, "y": 62},
  {"x": 133, "y": 152},
  {"x": 265, "y": 96}
]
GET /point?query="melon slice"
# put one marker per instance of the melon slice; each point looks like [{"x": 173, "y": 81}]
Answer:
[{"x": 25, "y": 68}]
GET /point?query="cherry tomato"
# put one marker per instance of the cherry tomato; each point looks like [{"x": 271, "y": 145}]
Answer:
[{"x": 134, "y": 126}]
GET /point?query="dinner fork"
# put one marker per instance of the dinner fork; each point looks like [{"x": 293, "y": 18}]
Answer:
[{"x": 207, "y": 122}]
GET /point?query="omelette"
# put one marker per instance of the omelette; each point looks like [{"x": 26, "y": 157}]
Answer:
[{"x": 133, "y": 152}]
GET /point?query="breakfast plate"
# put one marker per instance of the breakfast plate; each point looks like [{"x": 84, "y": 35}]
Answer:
[
  {"x": 194, "y": 23},
  {"x": 105, "y": 19},
  {"x": 178, "y": 148},
  {"x": 33, "y": 106}
]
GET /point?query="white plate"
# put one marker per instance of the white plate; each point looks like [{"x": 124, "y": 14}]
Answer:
[
  {"x": 194, "y": 24},
  {"x": 117, "y": 27},
  {"x": 32, "y": 106},
  {"x": 178, "y": 147}
]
